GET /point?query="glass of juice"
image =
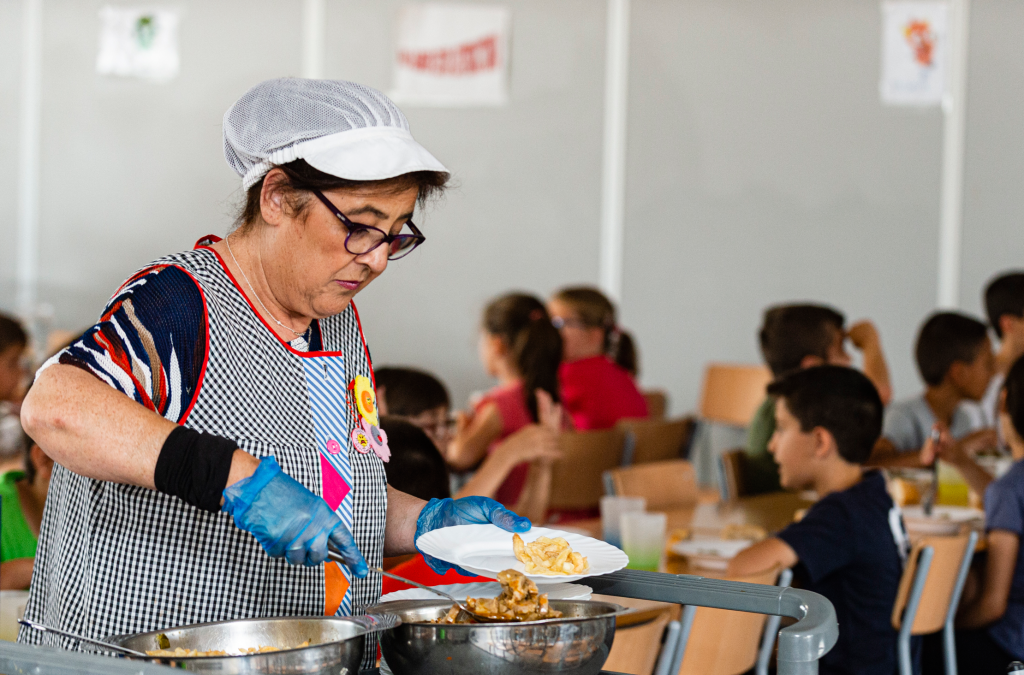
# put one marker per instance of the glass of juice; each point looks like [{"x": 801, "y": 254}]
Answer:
[
  {"x": 611, "y": 509},
  {"x": 643, "y": 539}
]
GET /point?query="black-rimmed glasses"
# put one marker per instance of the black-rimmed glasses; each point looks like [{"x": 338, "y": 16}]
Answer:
[{"x": 365, "y": 238}]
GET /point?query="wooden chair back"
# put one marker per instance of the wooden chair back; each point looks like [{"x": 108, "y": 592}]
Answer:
[
  {"x": 658, "y": 440},
  {"x": 732, "y": 392},
  {"x": 732, "y": 474},
  {"x": 638, "y": 636},
  {"x": 665, "y": 485},
  {"x": 576, "y": 479},
  {"x": 657, "y": 404},
  {"x": 939, "y": 585},
  {"x": 726, "y": 642}
]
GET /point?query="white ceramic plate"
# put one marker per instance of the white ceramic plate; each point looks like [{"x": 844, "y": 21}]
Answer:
[
  {"x": 486, "y": 550},
  {"x": 710, "y": 554},
  {"x": 488, "y": 589}
]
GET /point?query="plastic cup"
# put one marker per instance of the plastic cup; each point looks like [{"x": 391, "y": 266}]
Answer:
[
  {"x": 611, "y": 509},
  {"x": 643, "y": 539}
]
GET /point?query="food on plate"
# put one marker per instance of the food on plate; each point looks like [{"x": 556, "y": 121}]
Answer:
[
  {"x": 549, "y": 556},
  {"x": 744, "y": 531},
  {"x": 519, "y": 601},
  {"x": 179, "y": 652}
]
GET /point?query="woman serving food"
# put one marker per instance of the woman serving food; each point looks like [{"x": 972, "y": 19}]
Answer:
[{"x": 217, "y": 429}]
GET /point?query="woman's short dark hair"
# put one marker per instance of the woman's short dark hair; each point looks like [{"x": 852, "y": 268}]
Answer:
[
  {"x": 302, "y": 178},
  {"x": 416, "y": 466},
  {"x": 11, "y": 333},
  {"x": 791, "y": 332},
  {"x": 595, "y": 310},
  {"x": 840, "y": 399},
  {"x": 1004, "y": 295},
  {"x": 522, "y": 321},
  {"x": 409, "y": 392},
  {"x": 944, "y": 339}
]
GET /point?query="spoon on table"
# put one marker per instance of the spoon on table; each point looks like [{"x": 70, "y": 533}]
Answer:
[
  {"x": 82, "y": 638},
  {"x": 336, "y": 557}
]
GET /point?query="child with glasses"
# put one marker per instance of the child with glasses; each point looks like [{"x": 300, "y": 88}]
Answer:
[
  {"x": 419, "y": 398},
  {"x": 599, "y": 360}
]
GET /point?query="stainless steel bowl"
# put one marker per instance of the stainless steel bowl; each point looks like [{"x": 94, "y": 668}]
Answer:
[
  {"x": 336, "y": 645},
  {"x": 578, "y": 643}
]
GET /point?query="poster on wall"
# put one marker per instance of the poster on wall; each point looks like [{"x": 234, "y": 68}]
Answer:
[
  {"x": 138, "y": 42},
  {"x": 452, "y": 55},
  {"x": 914, "y": 53}
]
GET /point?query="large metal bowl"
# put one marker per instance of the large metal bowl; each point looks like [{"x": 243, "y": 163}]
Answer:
[
  {"x": 336, "y": 645},
  {"x": 578, "y": 643}
]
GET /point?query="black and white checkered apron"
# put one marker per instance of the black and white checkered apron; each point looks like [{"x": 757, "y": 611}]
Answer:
[{"x": 117, "y": 559}]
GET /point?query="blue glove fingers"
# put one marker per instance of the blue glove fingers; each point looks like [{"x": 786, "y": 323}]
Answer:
[
  {"x": 342, "y": 540},
  {"x": 474, "y": 510}
]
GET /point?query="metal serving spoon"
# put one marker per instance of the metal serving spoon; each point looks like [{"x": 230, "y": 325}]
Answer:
[
  {"x": 336, "y": 557},
  {"x": 82, "y": 638}
]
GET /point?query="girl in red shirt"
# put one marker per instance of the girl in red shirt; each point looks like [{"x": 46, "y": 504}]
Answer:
[
  {"x": 599, "y": 360},
  {"x": 522, "y": 349}
]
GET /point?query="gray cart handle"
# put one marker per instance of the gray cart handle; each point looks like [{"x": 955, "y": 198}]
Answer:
[{"x": 800, "y": 645}]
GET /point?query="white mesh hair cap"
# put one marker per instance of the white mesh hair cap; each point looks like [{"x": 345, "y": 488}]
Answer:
[{"x": 341, "y": 128}]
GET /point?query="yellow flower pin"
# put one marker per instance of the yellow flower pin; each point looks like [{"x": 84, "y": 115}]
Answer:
[{"x": 366, "y": 401}]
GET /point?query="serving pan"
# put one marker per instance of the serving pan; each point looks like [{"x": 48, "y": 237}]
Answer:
[
  {"x": 336, "y": 644},
  {"x": 578, "y": 643}
]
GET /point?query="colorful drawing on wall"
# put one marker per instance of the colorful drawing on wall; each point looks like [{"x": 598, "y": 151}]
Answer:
[
  {"x": 138, "y": 42},
  {"x": 914, "y": 48},
  {"x": 452, "y": 55}
]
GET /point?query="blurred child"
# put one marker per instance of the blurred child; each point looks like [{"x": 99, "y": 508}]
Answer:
[
  {"x": 851, "y": 545},
  {"x": 13, "y": 341},
  {"x": 954, "y": 357},
  {"x": 422, "y": 400},
  {"x": 991, "y": 616},
  {"x": 22, "y": 497},
  {"x": 519, "y": 347},
  {"x": 801, "y": 336},
  {"x": 1004, "y": 305},
  {"x": 419, "y": 398},
  {"x": 599, "y": 360}
]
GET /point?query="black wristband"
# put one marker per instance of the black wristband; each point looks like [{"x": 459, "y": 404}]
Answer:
[{"x": 194, "y": 467}]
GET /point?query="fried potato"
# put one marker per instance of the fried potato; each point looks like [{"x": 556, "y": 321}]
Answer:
[{"x": 549, "y": 556}]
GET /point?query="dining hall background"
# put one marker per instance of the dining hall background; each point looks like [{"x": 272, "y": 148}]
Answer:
[{"x": 761, "y": 166}]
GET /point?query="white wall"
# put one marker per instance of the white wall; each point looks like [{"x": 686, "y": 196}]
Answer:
[{"x": 761, "y": 168}]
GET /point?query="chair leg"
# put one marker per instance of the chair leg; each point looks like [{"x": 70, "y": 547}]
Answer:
[
  {"x": 924, "y": 563},
  {"x": 668, "y": 649},
  {"x": 771, "y": 629},
  {"x": 948, "y": 635},
  {"x": 685, "y": 625}
]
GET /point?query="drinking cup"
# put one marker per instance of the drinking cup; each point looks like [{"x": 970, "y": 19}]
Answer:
[
  {"x": 611, "y": 509},
  {"x": 643, "y": 539}
]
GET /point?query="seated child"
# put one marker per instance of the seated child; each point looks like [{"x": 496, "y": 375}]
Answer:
[
  {"x": 22, "y": 497},
  {"x": 990, "y": 621},
  {"x": 1004, "y": 305},
  {"x": 421, "y": 399},
  {"x": 417, "y": 397},
  {"x": 13, "y": 341},
  {"x": 599, "y": 361},
  {"x": 801, "y": 336},
  {"x": 954, "y": 357},
  {"x": 519, "y": 347},
  {"x": 850, "y": 546}
]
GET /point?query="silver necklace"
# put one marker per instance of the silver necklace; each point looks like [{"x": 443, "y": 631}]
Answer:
[{"x": 255, "y": 295}]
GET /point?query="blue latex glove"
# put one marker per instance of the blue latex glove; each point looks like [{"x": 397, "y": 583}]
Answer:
[
  {"x": 440, "y": 513},
  {"x": 288, "y": 520}
]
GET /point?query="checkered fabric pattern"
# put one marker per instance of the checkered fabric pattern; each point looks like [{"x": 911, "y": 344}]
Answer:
[{"x": 118, "y": 559}]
